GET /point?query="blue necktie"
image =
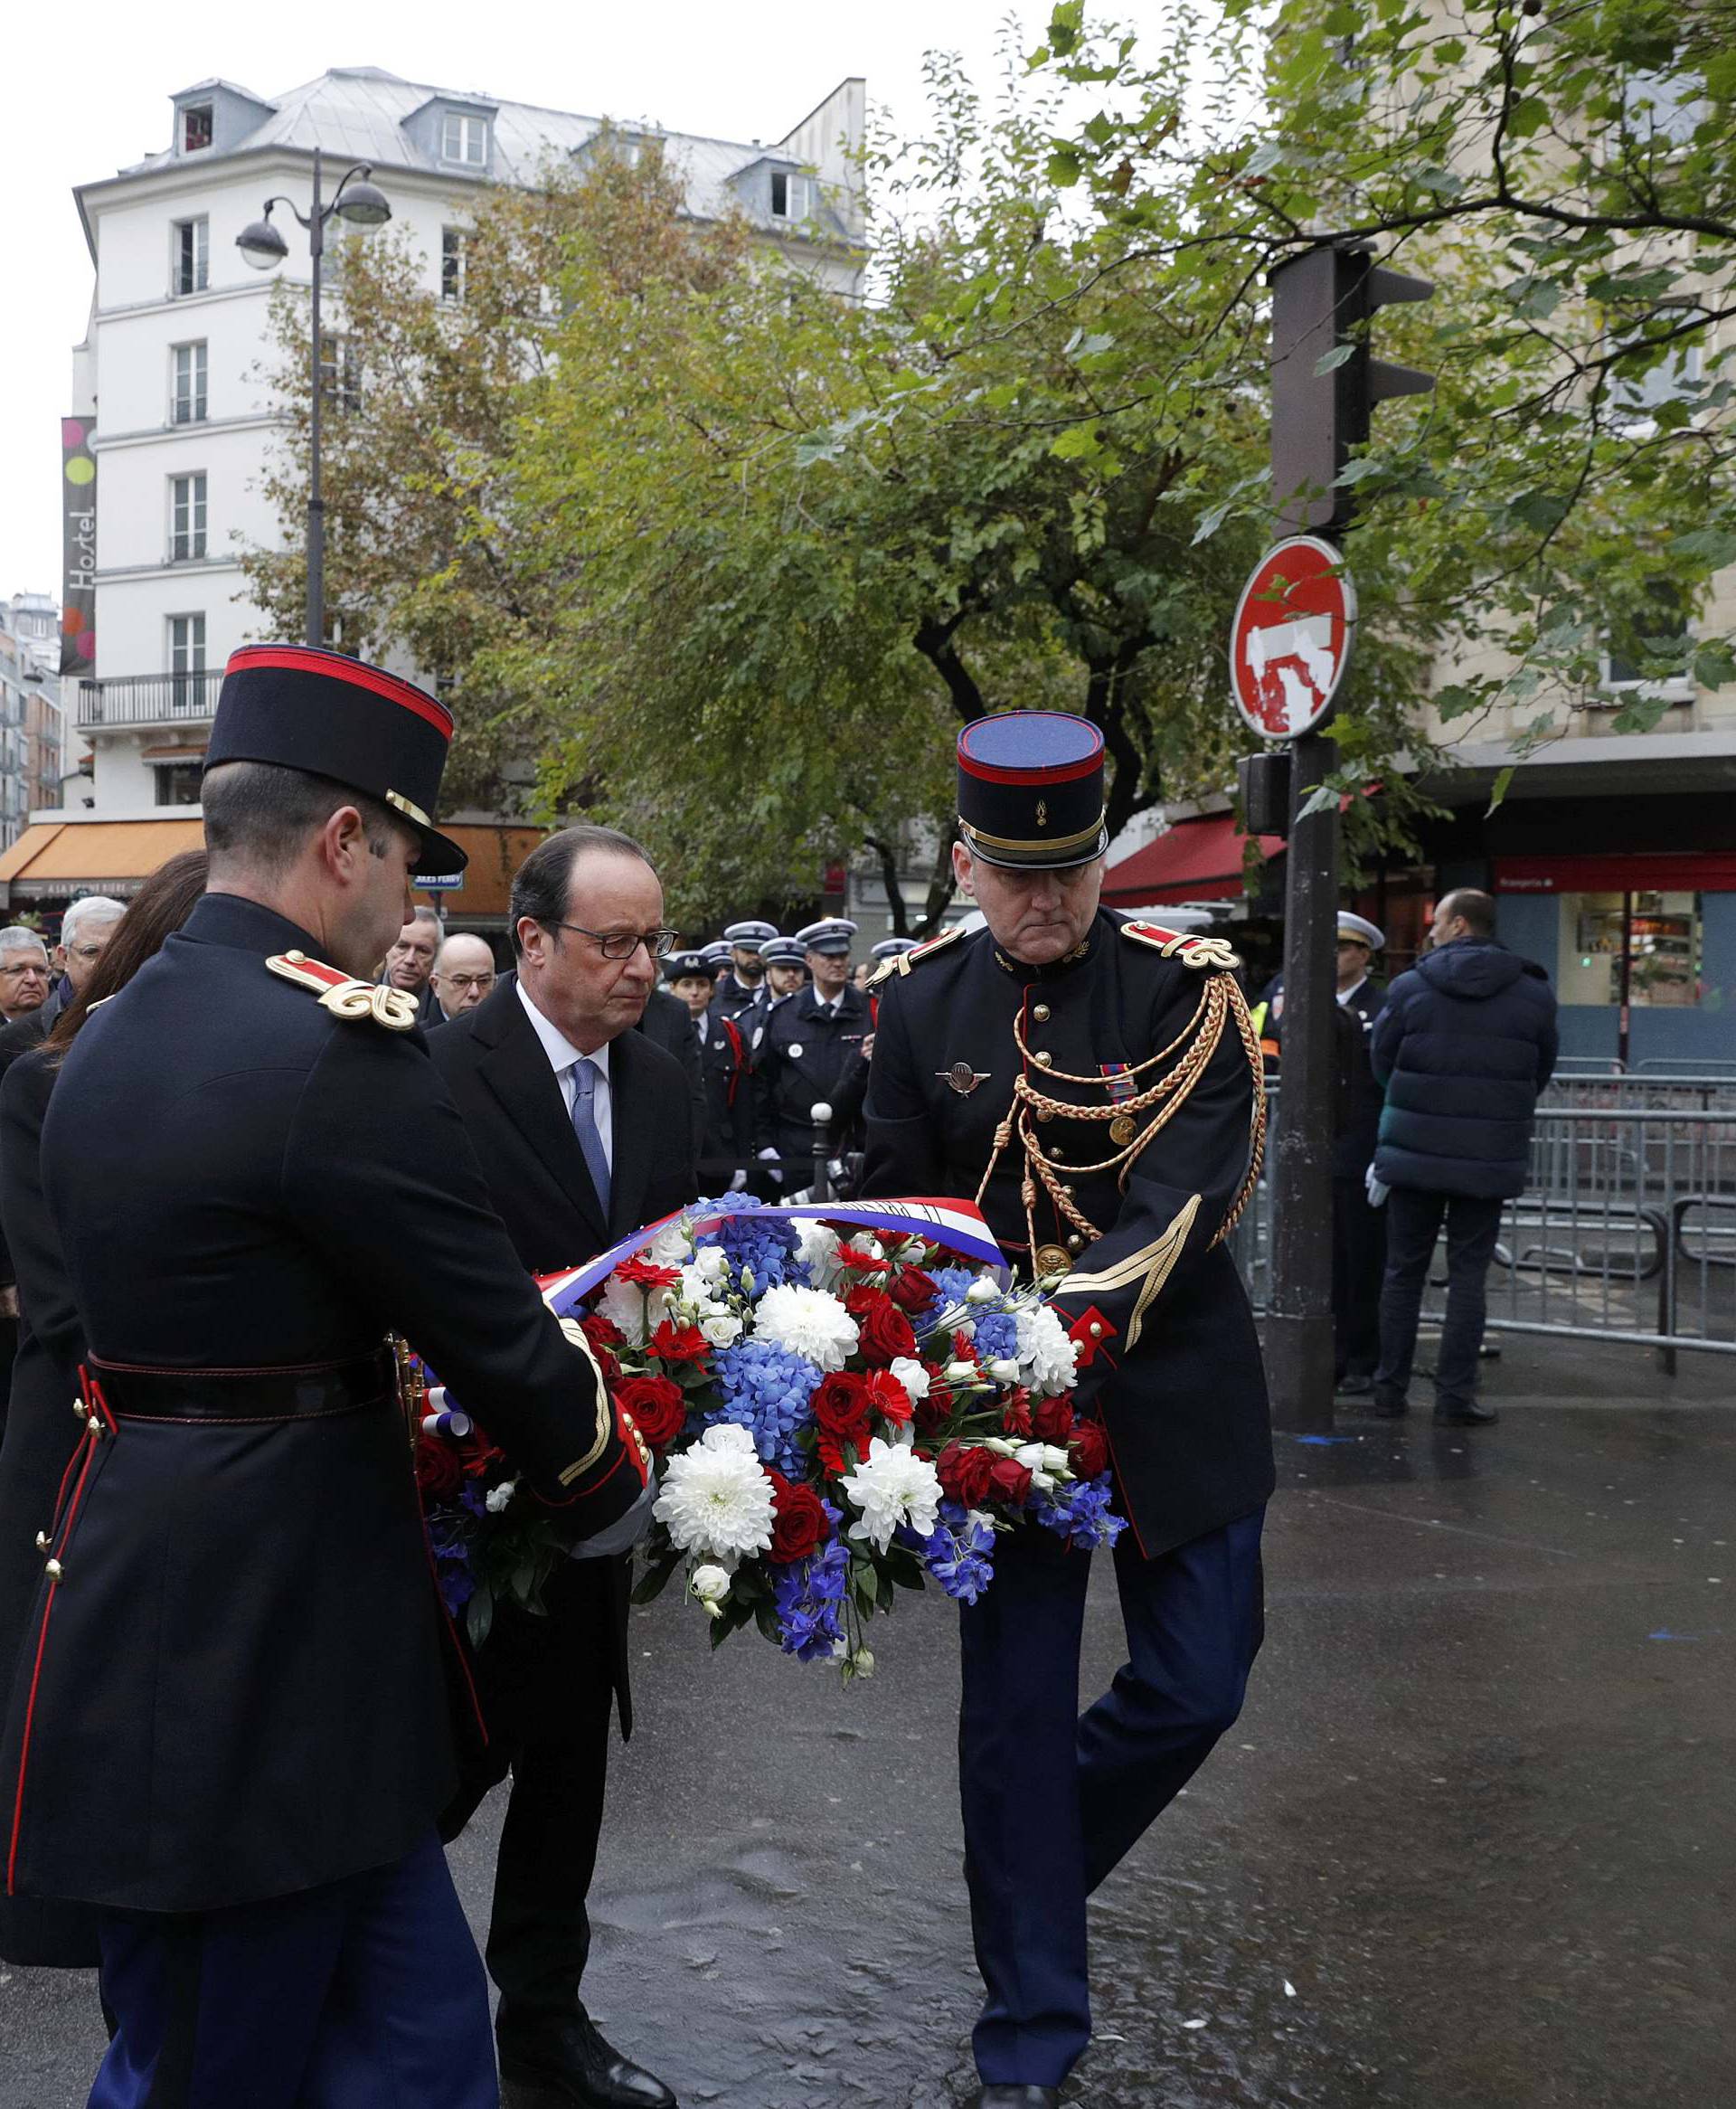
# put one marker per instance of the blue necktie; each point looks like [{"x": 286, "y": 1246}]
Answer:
[{"x": 584, "y": 1126}]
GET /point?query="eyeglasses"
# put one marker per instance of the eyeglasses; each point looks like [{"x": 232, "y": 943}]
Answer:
[
  {"x": 468, "y": 981},
  {"x": 621, "y": 944}
]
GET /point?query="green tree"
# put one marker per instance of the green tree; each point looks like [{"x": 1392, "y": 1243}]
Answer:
[{"x": 1566, "y": 176}]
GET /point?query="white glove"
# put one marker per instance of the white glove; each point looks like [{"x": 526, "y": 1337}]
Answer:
[{"x": 1376, "y": 1192}]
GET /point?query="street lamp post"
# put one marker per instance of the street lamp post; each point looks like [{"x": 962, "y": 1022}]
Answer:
[{"x": 357, "y": 200}]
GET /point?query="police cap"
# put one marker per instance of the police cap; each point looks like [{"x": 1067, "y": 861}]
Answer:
[
  {"x": 783, "y": 951},
  {"x": 831, "y": 934},
  {"x": 678, "y": 966},
  {"x": 749, "y": 937}
]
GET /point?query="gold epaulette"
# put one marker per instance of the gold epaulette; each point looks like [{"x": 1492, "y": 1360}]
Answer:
[
  {"x": 344, "y": 996},
  {"x": 1189, "y": 948},
  {"x": 901, "y": 962}
]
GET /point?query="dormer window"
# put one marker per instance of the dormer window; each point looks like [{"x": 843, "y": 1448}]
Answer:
[
  {"x": 464, "y": 139},
  {"x": 792, "y": 197},
  {"x": 195, "y": 127}
]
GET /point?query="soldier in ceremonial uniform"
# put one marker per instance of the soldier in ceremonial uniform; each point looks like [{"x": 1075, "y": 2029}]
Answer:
[
  {"x": 231, "y": 1730},
  {"x": 808, "y": 1040},
  {"x": 1095, "y": 1083}
]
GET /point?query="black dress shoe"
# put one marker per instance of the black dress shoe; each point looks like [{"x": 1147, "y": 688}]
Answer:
[
  {"x": 571, "y": 2063},
  {"x": 1017, "y": 2097},
  {"x": 1354, "y": 1387},
  {"x": 1470, "y": 1417},
  {"x": 1389, "y": 1409}
]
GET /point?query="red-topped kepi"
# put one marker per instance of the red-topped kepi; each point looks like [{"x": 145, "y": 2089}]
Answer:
[
  {"x": 337, "y": 717},
  {"x": 1031, "y": 789}
]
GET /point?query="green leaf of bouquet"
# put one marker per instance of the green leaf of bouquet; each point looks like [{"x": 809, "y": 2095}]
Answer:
[{"x": 479, "y": 1616}]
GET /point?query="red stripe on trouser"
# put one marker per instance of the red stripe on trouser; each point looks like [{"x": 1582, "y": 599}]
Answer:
[{"x": 89, "y": 1447}]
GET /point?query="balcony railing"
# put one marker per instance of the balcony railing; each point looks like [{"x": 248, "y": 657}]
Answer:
[{"x": 149, "y": 699}]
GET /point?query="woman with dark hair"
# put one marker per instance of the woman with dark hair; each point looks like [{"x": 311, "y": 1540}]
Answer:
[{"x": 41, "y": 1434}]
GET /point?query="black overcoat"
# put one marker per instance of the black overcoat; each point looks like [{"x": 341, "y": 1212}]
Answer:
[
  {"x": 799, "y": 1062},
  {"x": 1185, "y": 1404},
  {"x": 234, "y": 1689},
  {"x": 495, "y": 1067}
]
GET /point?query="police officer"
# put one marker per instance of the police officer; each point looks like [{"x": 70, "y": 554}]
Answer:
[
  {"x": 1096, "y": 1082},
  {"x": 1358, "y": 1227},
  {"x": 785, "y": 963},
  {"x": 726, "y": 1147},
  {"x": 808, "y": 1039},
  {"x": 233, "y": 1736},
  {"x": 744, "y": 988}
]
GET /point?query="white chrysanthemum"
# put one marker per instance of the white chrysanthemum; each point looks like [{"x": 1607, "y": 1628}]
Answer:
[
  {"x": 1046, "y": 1352},
  {"x": 716, "y": 1499},
  {"x": 808, "y": 1322},
  {"x": 892, "y": 1485},
  {"x": 819, "y": 1250},
  {"x": 670, "y": 1247}
]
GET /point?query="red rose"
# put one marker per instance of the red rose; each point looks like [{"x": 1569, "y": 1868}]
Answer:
[
  {"x": 602, "y": 1332},
  {"x": 887, "y": 1397},
  {"x": 911, "y": 1290},
  {"x": 1052, "y": 1422},
  {"x": 799, "y": 1524},
  {"x": 1015, "y": 1417},
  {"x": 861, "y": 1300},
  {"x": 1090, "y": 1449},
  {"x": 964, "y": 1472},
  {"x": 841, "y": 1416},
  {"x": 1009, "y": 1481},
  {"x": 885, "y": 1333},
  {"x": 659, "y": 1409},
  {"x": 931, "y": 1414},
  {"x": 438, "y": 1473},
  {"x": 672, "y": 1343}
]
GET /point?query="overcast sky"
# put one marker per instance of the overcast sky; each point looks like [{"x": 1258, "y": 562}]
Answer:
[{"x": 89, "y": 92}]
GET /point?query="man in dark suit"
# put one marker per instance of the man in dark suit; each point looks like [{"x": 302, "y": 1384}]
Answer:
[{"x": 584, "y": 1130}]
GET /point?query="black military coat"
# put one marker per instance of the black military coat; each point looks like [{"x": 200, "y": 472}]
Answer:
[
  {"x": 235, "y": 1685},
  {"x": 748, "y": 1007},
  {"x": 1175, "y": 1369},
  {"x": 800, "y": 1059},
  {"x": 725, "y": 1062},
  {"x": 40, "y": 1438}
]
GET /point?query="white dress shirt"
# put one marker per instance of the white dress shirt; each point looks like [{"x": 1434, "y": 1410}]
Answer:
[{"x": 563, "y": 1059}]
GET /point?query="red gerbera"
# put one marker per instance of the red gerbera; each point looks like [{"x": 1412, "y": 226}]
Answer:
[{"x": 673, "y": 1343}]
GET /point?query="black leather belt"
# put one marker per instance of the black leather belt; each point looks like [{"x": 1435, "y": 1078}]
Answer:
[{"x": 307, "y": 1391}]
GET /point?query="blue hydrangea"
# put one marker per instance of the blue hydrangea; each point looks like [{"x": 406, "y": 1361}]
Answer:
[
  {"x": 766, "y": 1388},
  {"x": 1080, "y": 1512},
  {"x": 751, "y": 1237},
  {"x": 997, "y": 1334},
  {"x": 451, "y": 1528},
  {"x": 959, "y": 1553},
  {"x": 953, "y": 1283},
  {"x": 809, "y": 1596}
]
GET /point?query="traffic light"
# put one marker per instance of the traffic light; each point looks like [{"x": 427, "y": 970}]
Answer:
[{"x": 1324, "y": 383}]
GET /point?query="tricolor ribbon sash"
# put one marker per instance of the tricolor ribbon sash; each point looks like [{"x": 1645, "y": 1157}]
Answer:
[{"x": 957, "y": 1225}]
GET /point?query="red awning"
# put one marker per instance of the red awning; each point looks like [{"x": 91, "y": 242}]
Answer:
[
  {"x": 1646, "y": 871},
  {"x": 1197, "y": 860}
]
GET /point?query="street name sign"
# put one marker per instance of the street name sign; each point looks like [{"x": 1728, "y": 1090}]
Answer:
[{"x": 1289, "y": 644}]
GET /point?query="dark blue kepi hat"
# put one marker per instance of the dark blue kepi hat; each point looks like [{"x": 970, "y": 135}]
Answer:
[
  {"x": 332, "y": 716},
  {"x": 1031, "y": 789}
]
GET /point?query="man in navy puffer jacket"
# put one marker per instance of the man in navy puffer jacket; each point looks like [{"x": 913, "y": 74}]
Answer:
[{"x": 1464, "y": 1046}]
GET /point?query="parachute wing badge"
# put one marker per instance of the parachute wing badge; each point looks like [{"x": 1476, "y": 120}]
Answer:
[{"x": 344, "y": 996}]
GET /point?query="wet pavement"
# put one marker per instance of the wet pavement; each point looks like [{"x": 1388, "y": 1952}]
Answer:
[{"x": 1471, "y": 1846}]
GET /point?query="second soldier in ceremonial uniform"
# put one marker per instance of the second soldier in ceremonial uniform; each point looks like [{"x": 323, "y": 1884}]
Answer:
[
  {"x": 232, "y": 1733},
  {"x": 1096, "y": 1082}
]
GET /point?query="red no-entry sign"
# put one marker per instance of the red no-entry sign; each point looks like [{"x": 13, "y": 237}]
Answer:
[{"x": 1290, "y": 642}]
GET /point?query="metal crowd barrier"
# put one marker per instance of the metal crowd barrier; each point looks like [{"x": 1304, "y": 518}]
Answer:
[{"x": 1625, "y": 1232}]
